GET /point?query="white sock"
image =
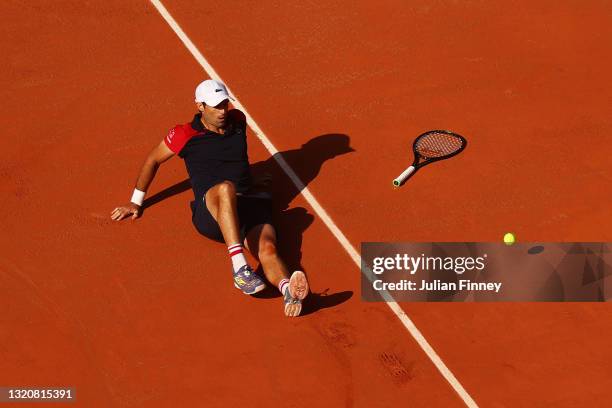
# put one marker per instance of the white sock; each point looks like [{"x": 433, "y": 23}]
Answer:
[
  {"x": 283, "y": 285},
  {"x": 237, "y": 255}
]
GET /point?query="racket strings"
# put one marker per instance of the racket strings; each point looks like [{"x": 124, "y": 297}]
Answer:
[{"x": 436, "y": 145}]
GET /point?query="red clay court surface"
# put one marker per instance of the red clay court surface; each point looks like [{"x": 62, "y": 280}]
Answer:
[{"x": 144, "y": 314}]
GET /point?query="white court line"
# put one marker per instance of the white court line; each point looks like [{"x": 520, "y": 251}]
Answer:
[{"x": 406, "y": 321}]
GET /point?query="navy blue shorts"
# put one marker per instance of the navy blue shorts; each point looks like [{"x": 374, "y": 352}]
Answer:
[{"x": 252, "y": 211}]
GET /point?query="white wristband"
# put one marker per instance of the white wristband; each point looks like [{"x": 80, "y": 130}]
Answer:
[{"x": 138, "y": 197}]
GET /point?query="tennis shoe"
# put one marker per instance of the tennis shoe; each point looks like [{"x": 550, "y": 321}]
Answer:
[
  {"x": 295, "y": 292},
  {"x": 248, "y": 281}
]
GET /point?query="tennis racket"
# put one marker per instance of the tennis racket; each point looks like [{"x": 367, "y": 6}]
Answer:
[{"x": 430, "y": 147}]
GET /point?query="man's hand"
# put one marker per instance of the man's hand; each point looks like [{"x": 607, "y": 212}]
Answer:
[
  {"x": 158, "y": 155},
  {"x": 124, "y": 211}
]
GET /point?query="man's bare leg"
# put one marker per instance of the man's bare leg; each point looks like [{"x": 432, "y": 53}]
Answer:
[
  {"x": 261, "y": 242},
  {"x": 221, "y": 203}
]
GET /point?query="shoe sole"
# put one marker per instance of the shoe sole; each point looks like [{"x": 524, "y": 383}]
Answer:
[
  {"x": 298, "y": 290},
  {"x": 298, "y": 285},
  {"x": 293, "y": 309},
  {"x": 257, "y": 289}
]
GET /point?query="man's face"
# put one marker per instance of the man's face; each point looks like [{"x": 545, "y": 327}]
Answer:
[{"x": 215, "y": 115}]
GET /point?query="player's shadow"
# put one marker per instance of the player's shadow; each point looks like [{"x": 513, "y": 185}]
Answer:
[
  {"x": 178, "y": 188},
  {"x": 291, "y": 223},
  {"x": 306, "y": 161},
  {"x": 317, "y": 301}
]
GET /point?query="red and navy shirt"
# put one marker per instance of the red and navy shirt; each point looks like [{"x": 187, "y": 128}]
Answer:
[{"x": 211, "y": 157}]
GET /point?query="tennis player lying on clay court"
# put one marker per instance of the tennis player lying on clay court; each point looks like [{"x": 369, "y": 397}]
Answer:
[{"x": 226, "y": 208}]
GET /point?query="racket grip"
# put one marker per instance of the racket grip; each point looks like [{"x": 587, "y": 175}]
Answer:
[{"x": 402, "y": 177}]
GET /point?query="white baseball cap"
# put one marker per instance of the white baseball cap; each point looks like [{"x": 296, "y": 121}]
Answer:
[{"x": 211, "y": 92}]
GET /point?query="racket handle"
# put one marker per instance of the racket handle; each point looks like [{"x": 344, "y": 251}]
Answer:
[{"x": 402, "y": 177}]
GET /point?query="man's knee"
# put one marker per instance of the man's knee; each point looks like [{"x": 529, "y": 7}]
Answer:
[
  {"x": 226, "y": 189},
  {"x": 267, "y": 250}
]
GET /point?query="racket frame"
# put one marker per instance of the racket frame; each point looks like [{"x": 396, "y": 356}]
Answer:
[{"x": 417, "y": 163}]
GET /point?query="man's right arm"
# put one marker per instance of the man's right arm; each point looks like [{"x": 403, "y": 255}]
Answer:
[{"x": 157, "y": 156}]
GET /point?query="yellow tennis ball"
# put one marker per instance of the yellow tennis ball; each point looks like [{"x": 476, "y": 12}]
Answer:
[{"x": 509, "y": 238}]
